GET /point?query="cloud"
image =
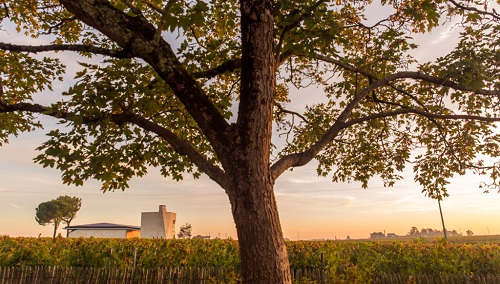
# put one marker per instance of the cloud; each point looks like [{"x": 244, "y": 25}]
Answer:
[{"x": 14, "y": 205}]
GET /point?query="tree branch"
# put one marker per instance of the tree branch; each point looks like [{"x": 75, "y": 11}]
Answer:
[
  {"x": 164, "y": 15},
  {"x": 132, "y": 8},
  {"x": 411, "y": 75},
  {"x": 233, "y": 64},
  {"x": 492, "y": 14},
  {"x": 153, "y": 6},
  {"x": 29, "y": 107},
  {"x": 300, "y": 159},
  {"x": 228, "y": 66},
  {"x": 422, "y": 113},
  {"x": 441, "y": 82},
  {"x": 138, "y": 35},
  {"x": 66, "y": 47},
  {"x": 181, "y": 146},
  {"x": 58, "y": 25},
  {"x": 292, "y": 25},
  {"x": 282, "y": 109}
]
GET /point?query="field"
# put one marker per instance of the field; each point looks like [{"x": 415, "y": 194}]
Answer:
[
  {"x": 491, "y": 239},
  {"x": 345, "y": 261}
]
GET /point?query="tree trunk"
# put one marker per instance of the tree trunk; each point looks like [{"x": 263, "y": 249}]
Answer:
[
  {"x": 264, "y": 257},
  {"x": 67, "y": 225},
  {"x": 55, "y": 230}
]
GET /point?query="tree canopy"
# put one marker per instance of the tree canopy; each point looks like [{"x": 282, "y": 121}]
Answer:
[
  {"x": 61, "y": 209},
  {"x": 48, "y": 213},
  {"x": 210, "y": 87},
  {"x": 69, "y": 206}
]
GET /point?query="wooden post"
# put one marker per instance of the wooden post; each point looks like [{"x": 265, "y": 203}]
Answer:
[
  {"x": 109, "y": 257},
  {"x": 135, "y": 257}
]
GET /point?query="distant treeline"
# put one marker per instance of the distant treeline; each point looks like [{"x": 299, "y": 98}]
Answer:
[{"x": 424, "y": 232}]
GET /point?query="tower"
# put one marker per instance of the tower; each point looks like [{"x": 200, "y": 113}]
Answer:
[{"x": 159, "y": 224}]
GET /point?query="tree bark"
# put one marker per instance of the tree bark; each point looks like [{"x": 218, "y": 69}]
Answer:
[{"x": 264, "y": 257}]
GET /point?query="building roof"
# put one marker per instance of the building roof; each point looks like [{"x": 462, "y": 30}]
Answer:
[{"x": 103, "y": 226}]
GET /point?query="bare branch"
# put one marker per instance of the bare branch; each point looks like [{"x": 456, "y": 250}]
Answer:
[
  {"x": 283, "y": 58},
  {"x": 66, "y": 47},
  {"x": 282, "y": 109},
  {"x": 6, "y": 10}
]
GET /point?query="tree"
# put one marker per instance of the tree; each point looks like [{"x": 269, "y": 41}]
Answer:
[
  {"x": 413, "y": 231},
  {"x": 184, "y": 231},
  {"x": 210, "y": 106},
  {"x": 69, "y": 206},
  {"x": 469, "y": 233},
  {"x": 63, "y": 209},
  {"x": 49, "y": 213},
  {"x": 377, "y": 235}
]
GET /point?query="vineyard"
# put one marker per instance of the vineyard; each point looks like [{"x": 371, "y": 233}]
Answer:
[{"x": 344, "y": 261}]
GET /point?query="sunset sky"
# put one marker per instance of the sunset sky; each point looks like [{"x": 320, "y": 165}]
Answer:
[{"x": 310, "y": 206}]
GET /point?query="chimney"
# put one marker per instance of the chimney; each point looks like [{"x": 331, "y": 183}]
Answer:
[{"x": 163, "y": 208}]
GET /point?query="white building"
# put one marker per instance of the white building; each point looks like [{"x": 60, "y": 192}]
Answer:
[
  {"x": 103, "y": 230},
  {"x": 159, "y": 225}
]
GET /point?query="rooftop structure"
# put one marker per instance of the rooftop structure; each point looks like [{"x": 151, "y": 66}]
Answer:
[{"x": 159, "y": 224}]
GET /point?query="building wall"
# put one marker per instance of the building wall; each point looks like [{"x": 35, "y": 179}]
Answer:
[
  {"x": 87, "y": 233},
  {"x": 159, "y": 224},
  {"x": 152, "y": 225},
  {"x": 170, "y": 218},
  {"x": 133, "y": 234}
]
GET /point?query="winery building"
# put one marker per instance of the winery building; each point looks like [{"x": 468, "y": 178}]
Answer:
[{"x": 160, "y": 224}]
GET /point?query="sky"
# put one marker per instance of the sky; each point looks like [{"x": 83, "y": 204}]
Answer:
[{"x": 310, "y": 207}]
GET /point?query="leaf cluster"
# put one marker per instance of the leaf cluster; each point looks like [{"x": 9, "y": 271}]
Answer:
[
  {"x": 99, "y": 146},
  {"x": 22, "y": 76}
]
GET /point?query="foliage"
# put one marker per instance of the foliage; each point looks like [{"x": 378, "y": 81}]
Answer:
[
  {"x": 184, "y": 231},
  {"x": 49, "y": 212},
  {"x": 69, "y": 207},
  {"x": 209, "y": 105},
  {"x": 321, "y": 41},
  {"x": 347, "y": 261},
  {"x": 63, "y": 208},
  {"x": 413, "y": 231}
]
